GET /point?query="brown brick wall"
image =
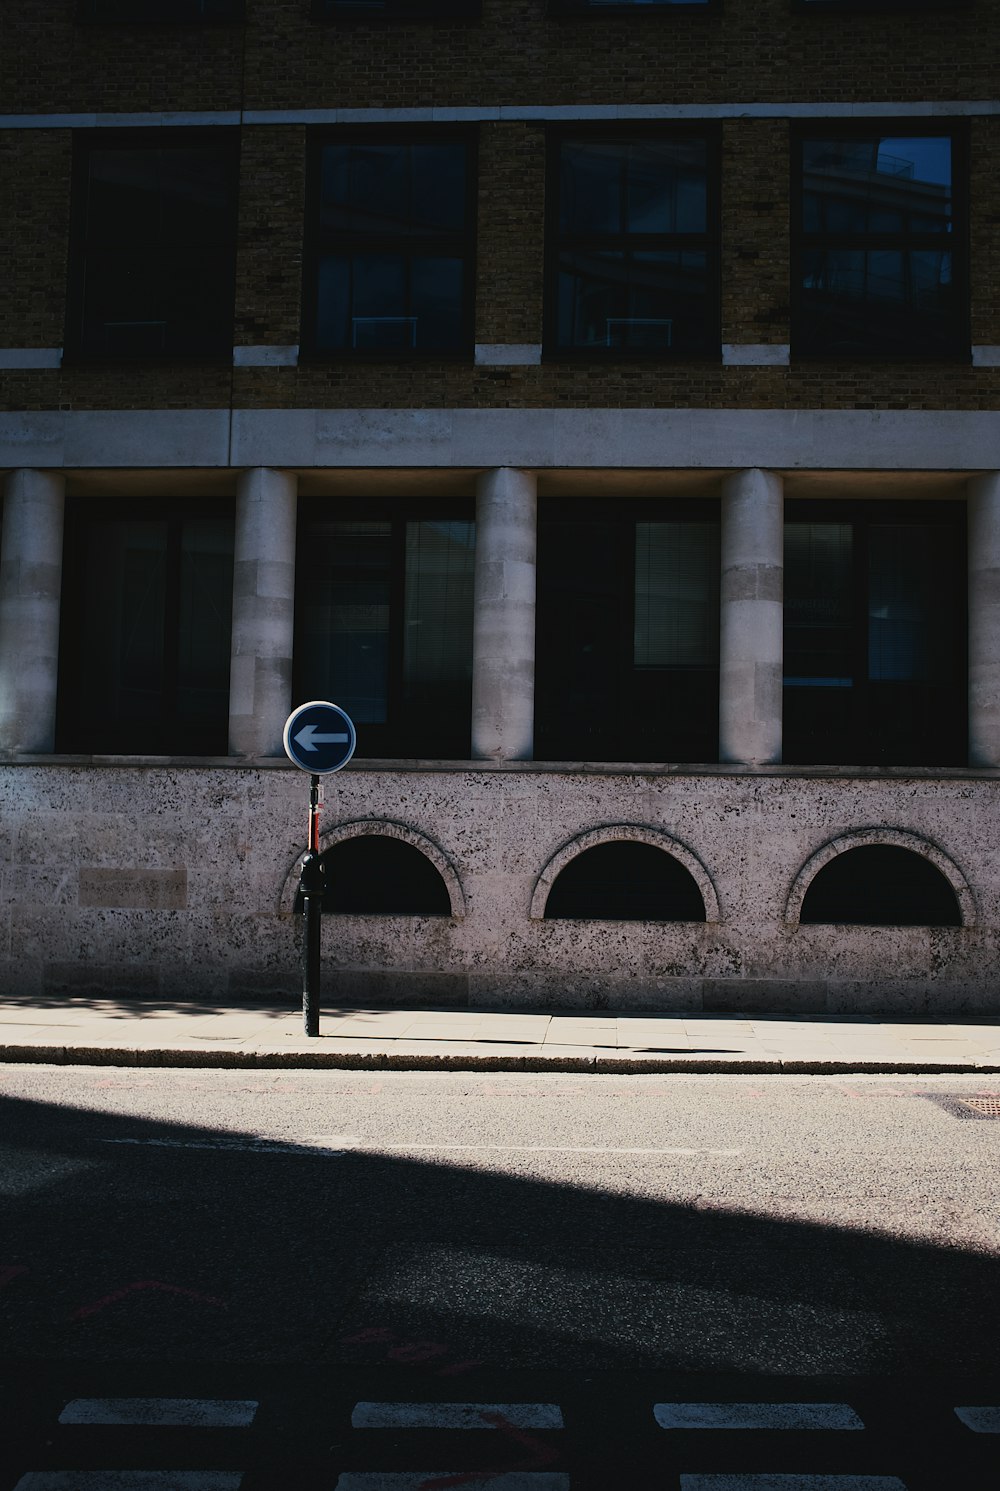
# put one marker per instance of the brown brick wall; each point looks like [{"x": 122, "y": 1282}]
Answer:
[
  {"x": 271, "y": 218},
  {"x": 516, "y": 55},
  {"x": 984, "y": 249},
  {"x": 755, "y": 243},
  {"x": 510, "y": 240},
  {"x": 35, "y": 169},
  {"x": 750, "y": 49},
  {"x": 50, "y": 64}
]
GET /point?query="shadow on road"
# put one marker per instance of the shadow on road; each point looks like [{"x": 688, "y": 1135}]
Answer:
[{"x": 127, "y": 1238}]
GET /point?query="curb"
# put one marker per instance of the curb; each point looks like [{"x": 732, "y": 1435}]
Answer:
[{"x": 386, "y": 1061}]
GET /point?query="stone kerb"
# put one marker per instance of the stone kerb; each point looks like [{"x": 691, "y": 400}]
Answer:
[
  {"x": 898, "y": 838},
  {"x": 636, "y": 833},
  {"x": 388, "y": 829}
]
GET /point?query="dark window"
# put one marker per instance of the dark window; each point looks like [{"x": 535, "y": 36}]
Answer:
[
  {"x": 147, "y": 622},
  {"x": 633, "y": 245},
  {"x": 153, "y": 247},
  {"x": 391, "y": 266},
  {"x": 596, "y": 7},
  {"x": 627, "y": 636},
  {"x": 881, "y": 885},
  {"x": 881, "y": 5},
  {"x": 396, "y": 10},
  {"x": 162, "y": 12},
  {"x": 875, "y": 635},
  {"x": 384, "y": 627},
  {"x": 377, "y": 875},
  {"x": 625, "y": 881},
  {"x": 880, "y": 268}
]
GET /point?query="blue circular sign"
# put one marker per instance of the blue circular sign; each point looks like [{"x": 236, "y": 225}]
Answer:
[{"x": 319, "y": 737}]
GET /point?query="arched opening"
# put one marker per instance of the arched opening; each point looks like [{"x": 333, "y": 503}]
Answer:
[
  {"x": 625, "y": 881},
  {"x": 374, "y": 874},
  {"x": 881, "y": 885}
]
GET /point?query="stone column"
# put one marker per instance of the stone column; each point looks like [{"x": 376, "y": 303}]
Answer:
[
  {"x": 260, "y": 680},
  {"x": 30, "y": 584},
  {"x": 503, "y": 639},
  {"x": 751, "y": 618},
  {"x": 984, "y": 619}
]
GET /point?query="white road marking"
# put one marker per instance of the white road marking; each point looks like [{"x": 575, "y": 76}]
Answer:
[
  {"x": 430, "y": 1480},
  {"x": 130, "y": 1480},
  {"x": 455, "y": 1415},
  {"x": 239, "y": 1146},
  {"x": 756, "y": 1416},
  {"x": 189, "y": 1413},
  {"x": 769, "y": 1482},
  {"x": 339, "y": 1144},
  {"x": 980, "y": 1420},
  {"x": 380, "y": 1147}
]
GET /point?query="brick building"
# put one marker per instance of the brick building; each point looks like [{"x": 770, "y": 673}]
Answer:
[{"x": 599, "y": 400}]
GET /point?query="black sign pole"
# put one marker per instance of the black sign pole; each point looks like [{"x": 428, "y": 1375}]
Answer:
[
  {"x": 312, "y": 883},
  {"x": 319, "y": 738}
]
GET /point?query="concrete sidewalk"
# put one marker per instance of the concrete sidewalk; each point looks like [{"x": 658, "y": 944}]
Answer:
[{"x": 135, "y": 1032}]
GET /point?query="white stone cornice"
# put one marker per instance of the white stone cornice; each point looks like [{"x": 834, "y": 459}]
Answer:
[{"x": 535, "y": 439}]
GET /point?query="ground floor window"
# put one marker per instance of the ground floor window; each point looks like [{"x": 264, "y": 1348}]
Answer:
[
  {"x": 384, "y": 623},
  {"x": 627, "y": 643},
  {"x": 147, "y": 623},
  {"x": 875, "y": 633}
]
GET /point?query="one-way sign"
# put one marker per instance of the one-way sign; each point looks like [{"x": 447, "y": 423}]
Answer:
[{"x": 319, "y": 737}]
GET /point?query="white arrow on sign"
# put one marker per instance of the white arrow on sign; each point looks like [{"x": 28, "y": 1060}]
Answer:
[{"x": 308, "y": 739}]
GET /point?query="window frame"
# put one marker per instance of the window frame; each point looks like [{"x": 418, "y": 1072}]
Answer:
[
  {"x": 867, "y": 7},
  {"x": 957, "y": 241},
  {"x": 379, "y": 741},
  {"x": 861, "y": 515},
  {"x": 634, "y": 682},
  {"x": 710, "y": 242},
  {"x": 85, "y": 141},
  {"x": 354, "y": 12},
  {"x": 585, "y": 10},
  {"x": 83, "y": 18},
  {"x": 82, "y": 514},
  {"x": 315, "y": 241}
]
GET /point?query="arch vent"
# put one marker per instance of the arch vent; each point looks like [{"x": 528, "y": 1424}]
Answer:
[
  {"x": 882, "y": 885},
  {"x": 624, "y": 880}
]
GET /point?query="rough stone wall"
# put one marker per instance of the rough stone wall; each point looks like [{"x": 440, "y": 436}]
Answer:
[{"x": 179, "y": 881}]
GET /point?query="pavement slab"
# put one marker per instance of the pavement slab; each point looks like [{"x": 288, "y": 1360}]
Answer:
[{"x": 143, "y": 1032}]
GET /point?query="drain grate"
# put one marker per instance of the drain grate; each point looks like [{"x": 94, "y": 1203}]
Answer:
[
  {"x": 967, "y": 1105},
  {"x": 982, "y": 1107}
]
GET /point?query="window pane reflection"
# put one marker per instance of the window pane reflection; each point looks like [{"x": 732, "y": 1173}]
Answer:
[
  {"x": 646, "y": 186},
  {"x": 390, "y": 273},
  {"x": 877, "y": 268}
]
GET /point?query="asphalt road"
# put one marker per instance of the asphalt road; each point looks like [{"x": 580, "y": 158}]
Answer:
[{"x": 603, "y": 1243}]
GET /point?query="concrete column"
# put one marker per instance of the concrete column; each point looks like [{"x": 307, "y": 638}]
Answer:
[
  {"x": 503, "y": 639},
  {"x": 751, "y": 618},
  {"x": 30, "y": 584},
  {"x": 984, "y": 619},
  {"x": 260, "y": 680}
]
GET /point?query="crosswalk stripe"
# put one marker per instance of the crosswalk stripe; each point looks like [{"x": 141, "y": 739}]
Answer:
[
  {"x": 441, "y": 1480},
  {"x": 756, "y": 1416},
  {"x": 456, "y": 1416},
  {"x": 797, "y": 1482},
  {"x": 188, "y": 1413},
  {"x": 130, "y": 1480},
  {"x": 980, "y": 1420}
]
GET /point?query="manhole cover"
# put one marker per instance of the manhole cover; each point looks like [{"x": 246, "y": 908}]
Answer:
[{"x": 982, "y": 1107}]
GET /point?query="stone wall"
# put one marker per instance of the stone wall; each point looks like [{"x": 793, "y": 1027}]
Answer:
[{"x": 178, "y": 880}]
